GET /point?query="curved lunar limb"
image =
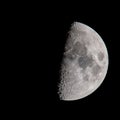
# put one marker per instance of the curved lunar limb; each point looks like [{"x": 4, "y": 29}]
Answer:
[{"x": 85, "y": 63}]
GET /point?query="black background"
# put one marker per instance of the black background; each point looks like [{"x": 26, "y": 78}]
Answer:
[{"x": 35, "y": 40}]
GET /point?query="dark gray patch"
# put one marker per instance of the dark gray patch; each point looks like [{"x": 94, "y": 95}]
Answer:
[
  {"x": 100, "y": 56},
  {"x": 96, "y": 69},
  {"x": 86, "y": 78},
  {"x": 70, "y": 56},
  {"x": 85, "y": 61},
  {"x": 79, "y": 48}
]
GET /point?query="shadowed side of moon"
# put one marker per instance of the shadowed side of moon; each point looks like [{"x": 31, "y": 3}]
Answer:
[{"x": 84, "y": 65}]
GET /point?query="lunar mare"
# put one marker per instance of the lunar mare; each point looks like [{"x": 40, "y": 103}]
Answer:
[{"x": 84, "y": 65}]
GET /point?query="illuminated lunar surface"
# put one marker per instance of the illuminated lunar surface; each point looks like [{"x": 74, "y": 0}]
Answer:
[{"x": 84, "y": 65}]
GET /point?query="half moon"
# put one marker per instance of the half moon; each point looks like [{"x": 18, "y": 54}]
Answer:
[{"x": 84, "y": 65}]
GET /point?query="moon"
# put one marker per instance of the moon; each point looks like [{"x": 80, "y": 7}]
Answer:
[{"x": 84, "y": 64}]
